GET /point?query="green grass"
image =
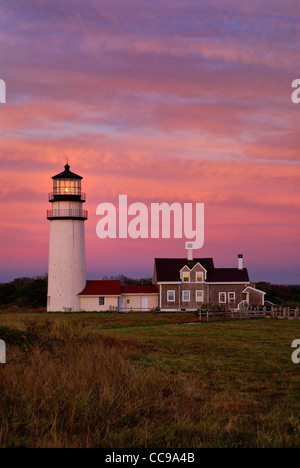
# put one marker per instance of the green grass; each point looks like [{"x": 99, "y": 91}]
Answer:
[{"x": 148, "y": 380}]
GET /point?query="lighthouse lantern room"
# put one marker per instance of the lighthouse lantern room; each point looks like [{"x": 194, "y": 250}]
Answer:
[{"x": 67, "y": 271}]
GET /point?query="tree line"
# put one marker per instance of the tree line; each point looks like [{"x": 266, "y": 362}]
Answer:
[
  {"x": 24, "y": 292},
  {"x": 32, "y": 292},
  {"x": 281, "y": 295}
]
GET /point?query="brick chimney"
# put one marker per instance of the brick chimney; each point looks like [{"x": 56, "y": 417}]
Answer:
[
  {"x": 240, "y": 261},
  {"x": 190, "y": 251}
]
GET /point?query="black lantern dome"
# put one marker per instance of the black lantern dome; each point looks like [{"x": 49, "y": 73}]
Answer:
[{"x": 67, "y": 174}]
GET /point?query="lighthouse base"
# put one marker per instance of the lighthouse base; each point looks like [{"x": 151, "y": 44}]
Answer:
[{"x": 67, "y": 272}]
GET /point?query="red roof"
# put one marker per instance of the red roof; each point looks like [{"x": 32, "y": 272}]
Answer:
[
  {"x": 147, "y": 289},
  {"x": 114, "y": 288},
  {"x": 102, "y": 288}
]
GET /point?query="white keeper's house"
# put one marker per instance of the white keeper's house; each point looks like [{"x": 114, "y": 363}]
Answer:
[{"x": 178, "y": 283}]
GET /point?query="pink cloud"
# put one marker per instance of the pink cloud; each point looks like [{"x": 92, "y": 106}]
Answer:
[{"x": 176, "y": 101}]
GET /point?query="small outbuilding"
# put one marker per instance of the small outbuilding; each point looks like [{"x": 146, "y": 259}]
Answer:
[{"x": 103, "y": 295}]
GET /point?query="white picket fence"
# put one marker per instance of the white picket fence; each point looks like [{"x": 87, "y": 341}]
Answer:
[{"x": 251, "y": 312}]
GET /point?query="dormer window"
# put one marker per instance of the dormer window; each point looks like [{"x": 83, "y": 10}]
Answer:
[
  {"x": 199, "y": 277},
  {"x": 186, "y": 277}
]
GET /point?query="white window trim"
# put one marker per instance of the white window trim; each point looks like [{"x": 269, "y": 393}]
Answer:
[
  {"x": 186, "y": 291},
  {"x": 98, "y": 295},
  {"x": 193, "y": 270},
  {"x": 229, "y": 282},
  {"x": 170, "y": 282},
  {"x": 160, "y": 296},
  {"x": 185, "y": 266},
  {"x": 233, "y": 299},
  {"x": 168, "y": 291},
  {"x": 254, "y": 289},
  {"x": 202, "y": 295},
  {"x": 222, "y": 302}
]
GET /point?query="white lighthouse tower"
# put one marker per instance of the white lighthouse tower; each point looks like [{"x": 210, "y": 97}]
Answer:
[{"x": 66, "y": 273}]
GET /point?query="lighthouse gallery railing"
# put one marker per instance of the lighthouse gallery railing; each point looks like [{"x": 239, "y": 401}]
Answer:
[
  {"x": 74, "y": 214},
  {"x": 57, "y": 193}
]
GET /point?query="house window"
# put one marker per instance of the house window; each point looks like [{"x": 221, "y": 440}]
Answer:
[
  {"x": 199, "y": 296},
  {"x": 101, "y": 300},
  {"x": 231, "y": 297},
  {"x": 185, "y": 296},
  {"x": 128, "y": 301},
  {"x": 171, "y": 296},
  {"x": 186, "y": 277},
  {"x": 199, "y": 276},
  {"x": 222, "y": 297}
]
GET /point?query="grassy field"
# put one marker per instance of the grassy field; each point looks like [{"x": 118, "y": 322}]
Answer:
[{"x": 146, "y": 380}]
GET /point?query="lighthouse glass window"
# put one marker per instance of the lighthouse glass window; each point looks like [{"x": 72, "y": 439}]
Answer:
[{"x": 67, "y": 187}]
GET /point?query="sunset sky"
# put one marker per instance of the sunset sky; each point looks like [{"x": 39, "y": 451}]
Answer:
[{"x": 162, "y": 100}]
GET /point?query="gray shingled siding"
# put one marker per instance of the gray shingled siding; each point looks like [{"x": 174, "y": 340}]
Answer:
[{"x": 211, "y": 295}]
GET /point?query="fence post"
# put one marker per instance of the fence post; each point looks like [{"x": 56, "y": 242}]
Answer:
[
  {"x": 296, "y": 312},
  {"x": 207, "y": 316}
]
